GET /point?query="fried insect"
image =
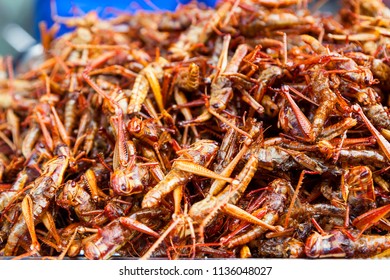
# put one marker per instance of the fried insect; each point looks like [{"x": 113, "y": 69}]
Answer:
[
  {"x": 337, "y": 244},
  {"x": 180, "y": 135},
  {"x": 41, "y": 196},
  {"x": 122, "y": 230},
  {"x": 274, "y": 205},
  {"x": 201, "y": 152}
]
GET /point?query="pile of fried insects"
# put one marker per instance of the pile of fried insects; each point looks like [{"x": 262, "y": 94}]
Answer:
[{"x": 258, "y": 128}]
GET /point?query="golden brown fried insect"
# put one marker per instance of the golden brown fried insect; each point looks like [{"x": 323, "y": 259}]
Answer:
[
  {"x": 122, "y": 230},
  {"x": 147, "y": 78},
  {"x": 188, "y": 79},
  {"x": 279, "y": 247},
  {"x": 201, "y": 152},
  {"x": 336, "y": 244},
  {"x": 47, "y": 183},
  {"x": 153, "y": 134},
  {"x": 274, "y": 204}
]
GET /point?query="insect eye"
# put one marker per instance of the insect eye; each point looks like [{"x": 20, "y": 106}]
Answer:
[{"x": 123, "y": 187}]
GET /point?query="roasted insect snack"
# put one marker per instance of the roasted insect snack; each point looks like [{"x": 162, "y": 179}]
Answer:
[{"x": 254, "y": 129}]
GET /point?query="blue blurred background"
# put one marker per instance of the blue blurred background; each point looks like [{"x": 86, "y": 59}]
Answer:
[{"x": 19, "y": 18}]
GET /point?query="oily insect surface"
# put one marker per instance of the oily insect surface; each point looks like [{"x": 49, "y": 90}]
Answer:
[{"x": 253, "y": 129}]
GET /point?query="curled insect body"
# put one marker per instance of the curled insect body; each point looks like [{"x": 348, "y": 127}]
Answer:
[
  {"x": 47, "y": 183},
  {"x": 172, "y": 22},
  {"x": 146, "y": 79},
  {"x": 74, "y": 196},
  {"x": 336, "y": 244},
  {"x": 180, "y": 135},
  {"x": 327, "y": 100},
  {"x": 128, "y": 182},
  {"x": 221, "y": 90},
  {"x": 358, "y": 181},
  {"x": 201, "y": 152},
  {"x": 188, "y": 80},
  {"x": 379, "y": 68},
  {"x": 274, "y": 204},
  {"x": 7, "y": 195},
  {"x": 200, "y": 33},
  {"x": 361, "y": 157},
  {"x": 279, "y": 247}
]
